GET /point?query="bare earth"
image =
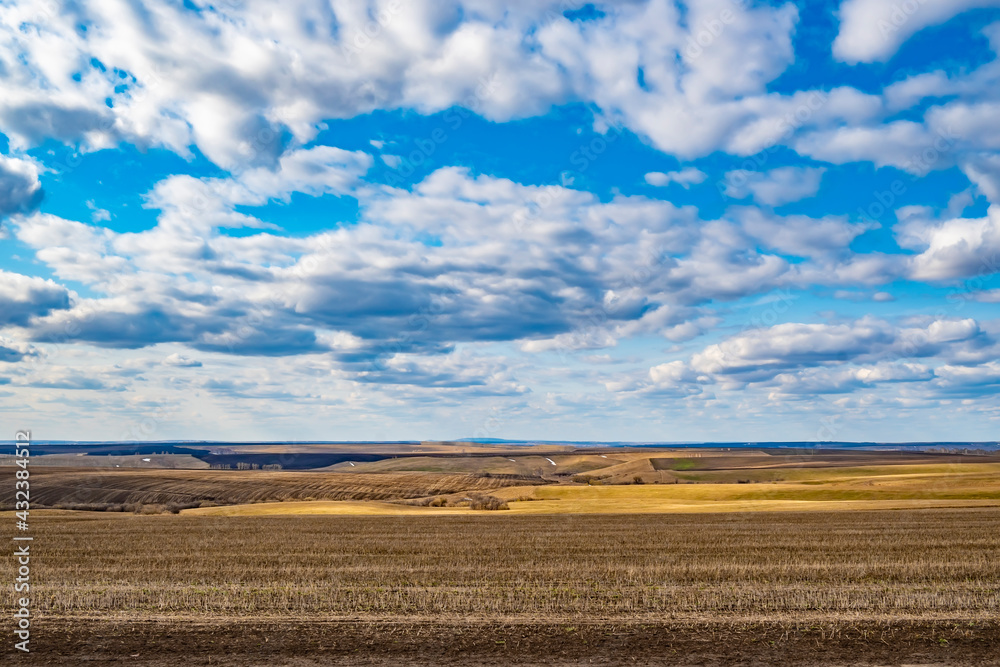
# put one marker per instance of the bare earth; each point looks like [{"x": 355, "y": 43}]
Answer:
[{"x": 252, "y": 644}]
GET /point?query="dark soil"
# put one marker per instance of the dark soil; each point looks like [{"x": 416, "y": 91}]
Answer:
[{"x": 305, "y": 644}]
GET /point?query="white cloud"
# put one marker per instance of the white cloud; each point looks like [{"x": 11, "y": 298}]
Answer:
[
  {"x": 873, "y": 30},
  {"x": 23, "y": 298},
  {"x": 762, "y": 353},
  {"x": 954, "y": 248},
  {"x": 244, "y": 85},
  {"x": 685, "y": 177},
  {"x": 800, "y": 235},
  {"x": 239, "y": 81},
  {"x": 957, "y": 127},
  {"x": 180, "y": 361},
  {"x": 20, "y": 189},
  {"x": 775, "y": 187},
  {"x": 984, "y": 171},
  {"x": 496, "y": 271},
  {"x": 899, "y": 144},
  {"x": 987, "y": 296},
  {"x": 409, "y": 296},
  {"x": 814, "y": 359}
]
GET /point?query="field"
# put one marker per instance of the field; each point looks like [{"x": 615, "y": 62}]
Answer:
[
  {"x": 617, "y": 557},
  {"x": 919, "y": 586},
  {"x": 91, "y": 489},
  {"x": 564, "y": 568},
  {"x": 152, "y": 461},
  {"x": 618, "y": 482}
]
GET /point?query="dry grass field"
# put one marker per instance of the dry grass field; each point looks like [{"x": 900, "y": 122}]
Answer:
[
  {"x": 887, "y": 588},
  {"x": 512, "y": 463},
  {"x": 662, "y": 557},
  {"x": 80, "y": 488},
  {"x": 872, "y": 487},
  {"x": 617, "y": 482},
  {"x": 934, "y": 563},
  {"x": 398, "y": 448}
]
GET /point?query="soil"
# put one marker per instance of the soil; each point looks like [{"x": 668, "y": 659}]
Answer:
[{"x": 406, "y": 644}]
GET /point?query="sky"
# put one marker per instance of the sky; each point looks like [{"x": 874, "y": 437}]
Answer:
[{"x": 731, "y": 220}]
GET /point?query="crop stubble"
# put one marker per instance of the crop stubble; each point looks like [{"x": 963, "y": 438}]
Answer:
[{"x": 928, "y": 563}]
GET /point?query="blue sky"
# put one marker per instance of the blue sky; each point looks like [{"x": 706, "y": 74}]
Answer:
[{"x": 723, "y": 220}]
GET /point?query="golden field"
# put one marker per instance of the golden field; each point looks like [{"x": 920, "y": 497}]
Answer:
[{"x": 556, "y": 483}]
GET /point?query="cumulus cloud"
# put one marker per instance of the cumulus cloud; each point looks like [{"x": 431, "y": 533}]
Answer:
[
  {"x": 822, "y": 358},
  {"x": 12, "y": 351},
  {"x": 799, "y": 234},
  {"x": 968, "y": 381},
  {"x": 551, "y": 267},
  {"x": 984, "y": 171},
  {"x": 986, "y": 296},
  {"x": 240, "y": 82},
  {"x": 70, "y": 380},
  {"x": 244, "y": 86},
  {"x": 685, "y": 177},
  {"x": 955, "y": 127},
  {"x": 953, "y": 248},
  {"x": 24, "y": 297},
  {"x": 20, "y": 189},
  {"x": 873, "y": 30},
  {"x": 762, "y": 353},
  {"x": 901, "y": 143},
  {"x": 180, "y": 361},
  {"x": 775, "y": 187},
  {"x": 466, "y": 260}
]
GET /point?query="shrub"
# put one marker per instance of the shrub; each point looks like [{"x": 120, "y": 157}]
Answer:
[{"x": 478, "y": 502}]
